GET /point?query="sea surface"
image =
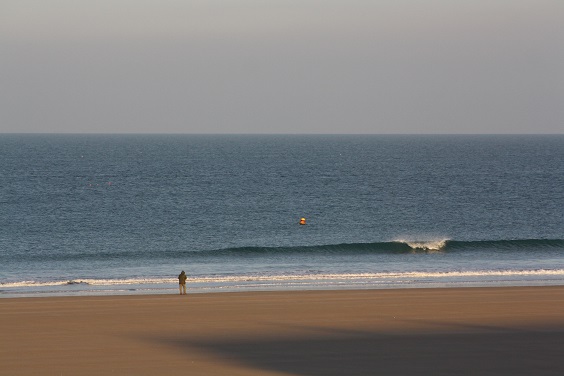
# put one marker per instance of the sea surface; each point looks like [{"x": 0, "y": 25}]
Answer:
[{"x": 124, "y": 214}]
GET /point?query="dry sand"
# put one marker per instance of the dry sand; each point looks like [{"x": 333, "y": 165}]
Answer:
[{"x": 473, "y": 331}]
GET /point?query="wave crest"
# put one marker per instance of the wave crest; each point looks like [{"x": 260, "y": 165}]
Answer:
[{"x": 430, "y": 245}]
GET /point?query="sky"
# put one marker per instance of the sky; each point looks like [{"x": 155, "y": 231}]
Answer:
[{"x": 282, "y": 66}]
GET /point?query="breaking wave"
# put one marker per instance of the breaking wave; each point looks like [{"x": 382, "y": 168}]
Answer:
[{"x": 401, "y": 245}]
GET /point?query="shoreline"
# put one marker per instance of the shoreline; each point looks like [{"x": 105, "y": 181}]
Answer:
[
  {"x": 423, "y": 331},
  {"x": 248, "y": 284}
]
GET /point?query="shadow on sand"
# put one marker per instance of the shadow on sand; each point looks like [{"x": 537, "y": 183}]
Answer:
[{"x": 478, "y": 352}]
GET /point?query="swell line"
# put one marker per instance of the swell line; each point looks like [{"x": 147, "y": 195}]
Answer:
[
  {"x": 402, "y": 245},
  {"x": 395, "y": 246}
]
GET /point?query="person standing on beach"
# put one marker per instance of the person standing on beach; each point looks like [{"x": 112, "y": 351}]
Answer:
[{"x": 182, "y": 283}]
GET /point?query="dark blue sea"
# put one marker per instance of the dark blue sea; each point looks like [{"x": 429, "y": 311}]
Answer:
[{"x": 124, "y": 214}]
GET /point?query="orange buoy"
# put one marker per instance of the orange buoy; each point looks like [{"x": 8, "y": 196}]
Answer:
[{"x": 302, "y": 221}]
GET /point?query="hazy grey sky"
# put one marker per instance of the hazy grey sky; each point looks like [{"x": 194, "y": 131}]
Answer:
[{"x": 282, "y": 66}]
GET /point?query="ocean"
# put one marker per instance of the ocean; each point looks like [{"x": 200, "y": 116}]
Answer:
[{"x": 124, "y": 214}]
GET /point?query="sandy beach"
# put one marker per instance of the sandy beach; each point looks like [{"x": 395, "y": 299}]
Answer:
[{"x": 456, "y": 331}]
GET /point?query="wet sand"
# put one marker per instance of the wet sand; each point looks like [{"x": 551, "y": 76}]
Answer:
[{"x": 470, "y": 331}]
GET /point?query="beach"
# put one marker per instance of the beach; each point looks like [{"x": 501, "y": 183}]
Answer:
[{"x": 453, "y": 331}]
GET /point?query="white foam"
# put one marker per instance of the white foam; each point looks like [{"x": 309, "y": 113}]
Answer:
[
  {"x": 93, "y": 282},
  {"x": 433, "y": 245},
  {"x": 286, "y": 278}
]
